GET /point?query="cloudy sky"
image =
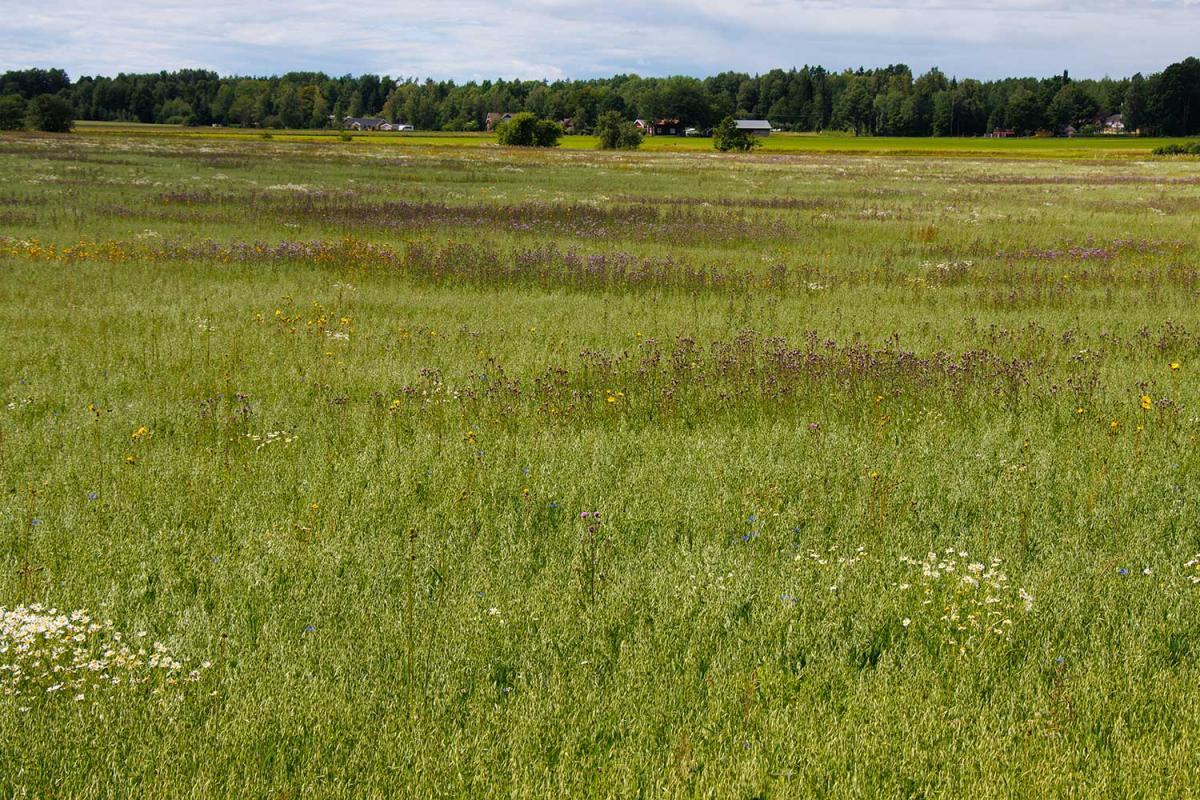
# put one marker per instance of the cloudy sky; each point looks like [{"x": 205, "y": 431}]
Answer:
[{"x": 466, "y": 39}]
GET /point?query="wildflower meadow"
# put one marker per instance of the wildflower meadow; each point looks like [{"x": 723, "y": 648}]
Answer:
[{"x": 345, "y": 470}]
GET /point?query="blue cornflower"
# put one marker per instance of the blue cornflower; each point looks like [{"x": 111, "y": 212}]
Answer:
[
  {"x": 92, "y": 495},
  {"x": 1122, "y": 572},
  {"x": 35, "y": 522},
  {"x": 310, "y": 628}
]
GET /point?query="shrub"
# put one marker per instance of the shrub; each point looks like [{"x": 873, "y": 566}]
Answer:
[
  {"x": 526, "y": 130},
  {"x": 726, "y": 137},
  {"x": 12, "y": 112},
  {"x": 51, "y": 113},
  {"x": 546, "y": 133},
  {"x": 176, "y": 111},
  {"x": 617, "y": 133}
]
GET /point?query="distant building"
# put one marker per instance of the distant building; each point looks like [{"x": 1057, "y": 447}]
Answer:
[
  {"x": 395, "y": 126},
  {"x": 663, "y": 127},
  {"x": 1114, "y": 124},
  {"x": 754, "y": 127},
  {"x": 496, "y": 117},
  {"x": 363, "y": 123},
  {"x": 1000, "y": 133}
]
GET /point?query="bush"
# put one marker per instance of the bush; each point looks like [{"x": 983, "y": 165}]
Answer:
[
  {"x": 526, "y": 130},
  {"x": 12, "y": 112},
  {"x": 176, "y": 111},
  {"x": 726, "y": 137},
  {"x": 617, "y": 133},
  {"x": 51, "y": 113},
  {"x": 546, "y": 133}
]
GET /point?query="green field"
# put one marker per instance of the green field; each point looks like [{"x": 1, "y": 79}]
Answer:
[
  {"x": 810, "y": 143},
  {"x": 437, "y": 471}
]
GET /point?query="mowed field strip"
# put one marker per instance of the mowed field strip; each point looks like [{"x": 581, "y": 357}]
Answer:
[{"x": 390, "y": 468}]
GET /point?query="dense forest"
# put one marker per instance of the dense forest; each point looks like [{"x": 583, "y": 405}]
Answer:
[{"x": 886, "y": 101}]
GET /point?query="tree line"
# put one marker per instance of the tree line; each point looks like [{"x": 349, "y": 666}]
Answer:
[{"x": 887, "y": 101}]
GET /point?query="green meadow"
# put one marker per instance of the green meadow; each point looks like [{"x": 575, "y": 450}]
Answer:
[
  {"x": 836, "y": 143},
  {"x": 344, "y": 469}
]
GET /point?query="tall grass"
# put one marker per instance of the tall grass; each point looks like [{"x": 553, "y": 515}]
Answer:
[{"x": 492, "y": 473}]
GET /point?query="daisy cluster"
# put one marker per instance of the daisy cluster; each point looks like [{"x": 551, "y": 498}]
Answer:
[
  {"x": 46, "y": 652},
  {"x": 965, "y": 600},
  {"x": 271, "y": 437},
  {"x": 1193, "y": 568}
]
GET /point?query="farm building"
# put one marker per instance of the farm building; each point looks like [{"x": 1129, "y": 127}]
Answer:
[
  {"x": 363, "y": 123},
  {"x": 754, "y": 127},
  {"x": 1114, "y": 124},
  {"x": 395, "y": 126},
  {"x": 494, "y": 118},
  {"x": 664, "y": 127}
]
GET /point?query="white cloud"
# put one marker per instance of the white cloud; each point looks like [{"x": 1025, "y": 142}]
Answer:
[{"x": 582, "y": 38}]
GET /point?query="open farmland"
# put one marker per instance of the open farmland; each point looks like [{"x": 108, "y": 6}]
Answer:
[
  {"x": 436, "y": 471},
  {"x": 829, "y": 143}
]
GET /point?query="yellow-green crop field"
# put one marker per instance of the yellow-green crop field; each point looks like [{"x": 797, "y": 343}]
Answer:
[
  {"x": 352, "y": 470},
  {"x": 1093, "y": 147}
]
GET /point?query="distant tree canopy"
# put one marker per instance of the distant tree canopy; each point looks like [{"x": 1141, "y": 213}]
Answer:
[{"x": 887, "y": 101}]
